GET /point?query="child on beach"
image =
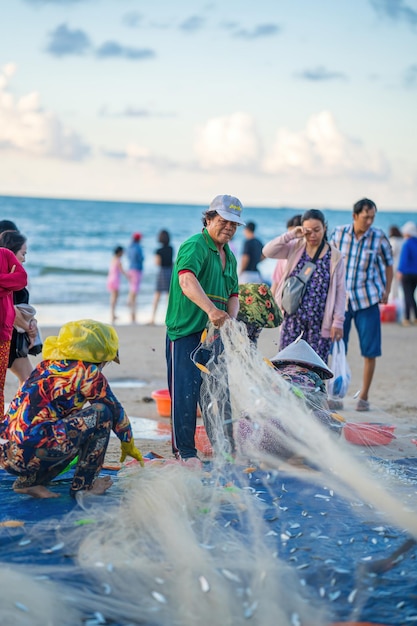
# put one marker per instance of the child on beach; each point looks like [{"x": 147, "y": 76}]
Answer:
[
  {"x": 116, "y": 271},
  {"x": 46, "y": 426},
  {"x": 136, "y": 260}
]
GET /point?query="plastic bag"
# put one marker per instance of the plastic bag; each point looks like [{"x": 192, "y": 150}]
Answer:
[
  {"x": 22, "y": 345},
  {"x": 83, "y": 340},
  {"x": 338, "y": 386}
]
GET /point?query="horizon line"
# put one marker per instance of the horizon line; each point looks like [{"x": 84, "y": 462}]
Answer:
[{"x": 197, "y": 204}]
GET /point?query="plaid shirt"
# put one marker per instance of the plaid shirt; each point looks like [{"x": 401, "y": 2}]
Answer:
[{"x": 365, "y": 261}]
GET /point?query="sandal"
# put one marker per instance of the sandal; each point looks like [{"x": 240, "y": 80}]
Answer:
[{"x": 362, "y": 405}]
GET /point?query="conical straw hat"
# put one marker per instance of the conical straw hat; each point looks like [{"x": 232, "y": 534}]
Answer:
[{"x": 299, "y": 351}]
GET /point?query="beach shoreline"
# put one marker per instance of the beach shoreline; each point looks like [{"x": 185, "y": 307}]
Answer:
[{"x": 142, "y": 370}]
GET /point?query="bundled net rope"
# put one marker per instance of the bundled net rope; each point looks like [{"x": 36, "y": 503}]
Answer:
[{"x": 175, "y": 546}]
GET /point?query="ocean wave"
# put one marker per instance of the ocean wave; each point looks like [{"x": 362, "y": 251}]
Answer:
[{"x": 43, "y": 271}]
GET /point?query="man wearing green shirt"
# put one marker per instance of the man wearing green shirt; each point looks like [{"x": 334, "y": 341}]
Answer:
[{"x": 204, "y": 287}]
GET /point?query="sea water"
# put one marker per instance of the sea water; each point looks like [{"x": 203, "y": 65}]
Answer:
[{"x": 70, "y": 245}]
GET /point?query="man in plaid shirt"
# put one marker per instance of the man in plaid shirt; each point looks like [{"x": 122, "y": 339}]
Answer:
[{"x": 369, "y": 273}]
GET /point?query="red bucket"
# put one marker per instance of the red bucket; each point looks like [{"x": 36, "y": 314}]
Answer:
[
  {"x": 388, "y": 312},
  {"x": 202, "y": 442},
  {"x": 369, "y": 433}
]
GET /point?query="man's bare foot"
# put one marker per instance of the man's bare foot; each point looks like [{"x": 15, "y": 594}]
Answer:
[
  {"x": 38, "y": 491},
  {"x": 100, "y": 486}
]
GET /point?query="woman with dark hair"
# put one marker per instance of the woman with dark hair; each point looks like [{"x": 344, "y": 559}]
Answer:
[
  {"x": 20, "y": 365},
  {"x": 164, "y": 260},
  {"x": 320, "y": 315},
  {"x": 7, "y": 225}
]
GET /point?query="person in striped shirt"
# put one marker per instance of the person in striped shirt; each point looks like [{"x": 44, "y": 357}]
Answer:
[{"x": 369, "y": 272}]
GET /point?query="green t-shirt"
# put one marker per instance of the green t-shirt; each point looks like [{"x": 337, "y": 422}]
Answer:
[{"x": 199, "y": 255}]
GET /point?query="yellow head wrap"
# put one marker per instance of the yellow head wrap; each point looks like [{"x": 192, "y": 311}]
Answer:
[{"x": 83, "y": 340}]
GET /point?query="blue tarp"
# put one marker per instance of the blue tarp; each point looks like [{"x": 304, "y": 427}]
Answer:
[{"x": 326, "y": 538}]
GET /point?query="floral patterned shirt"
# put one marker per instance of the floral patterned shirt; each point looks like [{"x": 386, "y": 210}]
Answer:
[{"x": 55, "y": 390}]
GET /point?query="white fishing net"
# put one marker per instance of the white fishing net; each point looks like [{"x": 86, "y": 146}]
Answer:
[{"x": 178, "y": 547}]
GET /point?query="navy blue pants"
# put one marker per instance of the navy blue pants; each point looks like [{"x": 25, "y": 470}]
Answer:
[
  {"x": 184, "y": 383},
  {"x": 368, "y": 325}
]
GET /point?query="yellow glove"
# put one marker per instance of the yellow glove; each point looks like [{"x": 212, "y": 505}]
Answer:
[{"x": 129, "y": 449}]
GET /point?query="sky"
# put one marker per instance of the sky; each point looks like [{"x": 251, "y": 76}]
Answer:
[{"x": 297, "y": 103}]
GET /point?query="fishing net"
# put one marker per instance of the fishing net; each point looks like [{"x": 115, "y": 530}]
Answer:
[
  {"x": 283, "y": 526},
  {"x": 274, "y": 421}
]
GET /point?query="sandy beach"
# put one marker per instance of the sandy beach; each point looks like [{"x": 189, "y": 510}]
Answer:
[{"x": 142, "y": 371}]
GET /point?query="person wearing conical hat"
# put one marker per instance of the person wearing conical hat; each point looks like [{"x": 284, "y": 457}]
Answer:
[
  {"x": 305, "y": 370},
  {"x": 302, "y": 353},
  {"x": 47, "y": 426}
]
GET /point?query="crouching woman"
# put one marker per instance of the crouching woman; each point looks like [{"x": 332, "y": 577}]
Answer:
[{"x": 48, "y": 425}]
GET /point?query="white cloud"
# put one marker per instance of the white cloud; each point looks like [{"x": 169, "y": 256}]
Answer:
[
  {"x": 134, "y": 152},
  {"x": 141, "y": 158},
  {"x": 7, "y": 72},
  {"x": 27, "y": 128},
  {"x": 321, "y": 149},
  {"x": 229, "y": 141}
]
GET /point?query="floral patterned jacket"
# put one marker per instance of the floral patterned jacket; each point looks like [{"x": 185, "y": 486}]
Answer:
[{"x": 55, "y": 390}]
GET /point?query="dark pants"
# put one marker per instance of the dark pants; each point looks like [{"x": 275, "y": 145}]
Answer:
[
  {"x": 409, "y": 284},
  {"x": 87, "y": 435},
  {"x": 184, "y": 383}
]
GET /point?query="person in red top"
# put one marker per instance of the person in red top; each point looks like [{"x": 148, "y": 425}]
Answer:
[{"x": 12, "y": 278}]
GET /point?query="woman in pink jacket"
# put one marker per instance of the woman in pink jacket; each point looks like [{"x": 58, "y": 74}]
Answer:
[
  {"x": 321, "y": 312},
  {"x": 12, "y": 278}
]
